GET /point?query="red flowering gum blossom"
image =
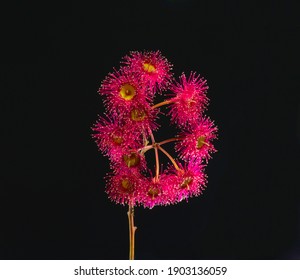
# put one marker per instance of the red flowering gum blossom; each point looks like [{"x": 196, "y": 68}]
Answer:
[
  {"x": 158, "y": 192},
  {"x": 113, "y": 137},
  {"x": 142, "y": 118},
  {"x": 123, "y": 90},
  {"x": 152, "y": 67},
  {"x": 188, "y": 99},
  {"x": 197, "y": 140},
  {"x": 125, "y": 187},
  {"x": 189, "y": 181}
]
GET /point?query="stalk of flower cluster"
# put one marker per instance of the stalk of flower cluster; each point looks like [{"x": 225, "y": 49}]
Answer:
[
  {"x": 170, "y": 157},
  {"x": 155, "y": 146},
  {"x": 170, "y": 140},
  {"x": 132, "y": 229},
  {"x": 166, "y": 102}
]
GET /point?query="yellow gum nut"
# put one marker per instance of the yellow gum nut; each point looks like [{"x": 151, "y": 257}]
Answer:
[
  {"x": 200, "y": 142},
  {"x": 131, "y": 160},
  {"x": 149, "y": 67},
  {"x": 153, "y": 192},
  {"x": 127, "y": 91},
  {"x": 117, "y": 139},
  {"x": 138, "y": 114},
  {"x": 126, "y": 185}
]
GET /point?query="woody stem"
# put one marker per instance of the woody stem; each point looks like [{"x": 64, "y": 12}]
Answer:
[{"x": 132, "y": 230}]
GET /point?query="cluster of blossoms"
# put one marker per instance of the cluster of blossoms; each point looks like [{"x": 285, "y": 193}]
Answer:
[{"x": 126, "y": 133}]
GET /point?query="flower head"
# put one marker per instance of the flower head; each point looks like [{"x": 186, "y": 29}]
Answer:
[
  {"x": 122, "y": 90},
  {"x": 124, "y": 187},
  {"x": 197, "y": 140},
  {"x": 157, "y": 192},
  {"x": 112, "y": 137},
  {"x": 142, "y": 118},
  {"x": 129, "y": 159},
  {"x": 188, "y": 181},
  {"x": 152, "y": 67},
  {"x": 126, "y": 134},
  {"x": 188, "y": 99}
]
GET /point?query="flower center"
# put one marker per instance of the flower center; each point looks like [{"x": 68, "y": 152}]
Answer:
[
  {"x": 191, "y": 102},
  {"x": 127, "y": 91},
  {"x": 186, "y": 183},
  {"x": 132, "y": 160},
  {"x": 138, "y": 114},
  {"x": 149, "y": 67},
  {"x": 200, "y": 142},
  {"x": 127, "y": 185},
  {"x": 153, "y": 192},
  {"x": 117, "y": 139}
]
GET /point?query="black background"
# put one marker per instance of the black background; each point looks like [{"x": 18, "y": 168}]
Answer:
[{"x": 54, "y": 57}]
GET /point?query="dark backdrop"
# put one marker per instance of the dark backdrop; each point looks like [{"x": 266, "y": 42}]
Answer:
[{"x": 54, "y": 57}]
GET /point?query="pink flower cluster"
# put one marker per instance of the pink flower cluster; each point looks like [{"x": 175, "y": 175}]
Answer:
[{"x": 126, "y": 133}]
